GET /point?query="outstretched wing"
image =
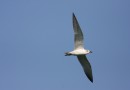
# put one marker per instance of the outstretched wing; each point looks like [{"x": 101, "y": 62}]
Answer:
[
  {"x": 78, "y": 35},
  {"x": 86, "y": 66}
]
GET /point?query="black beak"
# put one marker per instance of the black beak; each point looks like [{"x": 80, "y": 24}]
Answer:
[{"x": 90, "y": 51}]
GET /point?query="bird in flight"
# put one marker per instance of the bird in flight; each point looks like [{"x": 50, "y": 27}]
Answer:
[{"x": 79, "y": 50}]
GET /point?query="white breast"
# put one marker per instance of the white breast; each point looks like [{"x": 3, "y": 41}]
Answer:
[{"x": 79, "y": 52}]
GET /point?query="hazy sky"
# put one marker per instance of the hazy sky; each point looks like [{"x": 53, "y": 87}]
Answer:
[{"x": 34, "y": 34}]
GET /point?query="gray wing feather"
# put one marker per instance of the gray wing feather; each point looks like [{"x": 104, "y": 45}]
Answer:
[
  {"x": 86, "y": 66},
  {"x": 78, "y": 35}
]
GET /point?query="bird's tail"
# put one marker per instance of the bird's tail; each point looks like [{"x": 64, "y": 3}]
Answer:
[{"x": 67, "y": 54}]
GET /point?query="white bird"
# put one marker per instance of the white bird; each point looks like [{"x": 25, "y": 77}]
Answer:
[{"x": 79, "y": 50}]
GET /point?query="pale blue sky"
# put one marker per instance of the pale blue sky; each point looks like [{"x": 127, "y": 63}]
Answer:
[{"x": 34, "y": 34}]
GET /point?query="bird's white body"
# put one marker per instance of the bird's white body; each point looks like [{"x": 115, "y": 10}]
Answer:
[{"x": 80, "y": 51}]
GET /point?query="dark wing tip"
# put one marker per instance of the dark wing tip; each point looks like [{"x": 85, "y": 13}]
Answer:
[
  {"x": 91, "y": 80},
  {"x": 89, "y": 77},
  {"x": 73, "y": 15}
]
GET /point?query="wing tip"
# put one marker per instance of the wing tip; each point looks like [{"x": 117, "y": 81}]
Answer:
[
  {"x": 90, "y": 78},
  {"x": 73, "y": 15}
]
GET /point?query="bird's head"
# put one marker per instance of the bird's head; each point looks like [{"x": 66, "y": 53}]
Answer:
[{"x": 88, "y": 51}]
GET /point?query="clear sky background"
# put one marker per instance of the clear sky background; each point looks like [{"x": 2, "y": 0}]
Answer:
[{"x": 34, "y": 34}]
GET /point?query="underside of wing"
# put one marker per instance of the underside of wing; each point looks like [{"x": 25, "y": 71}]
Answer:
[
  {"x": 86, "y": 66},
  {"x": 78, "y": 35}
]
